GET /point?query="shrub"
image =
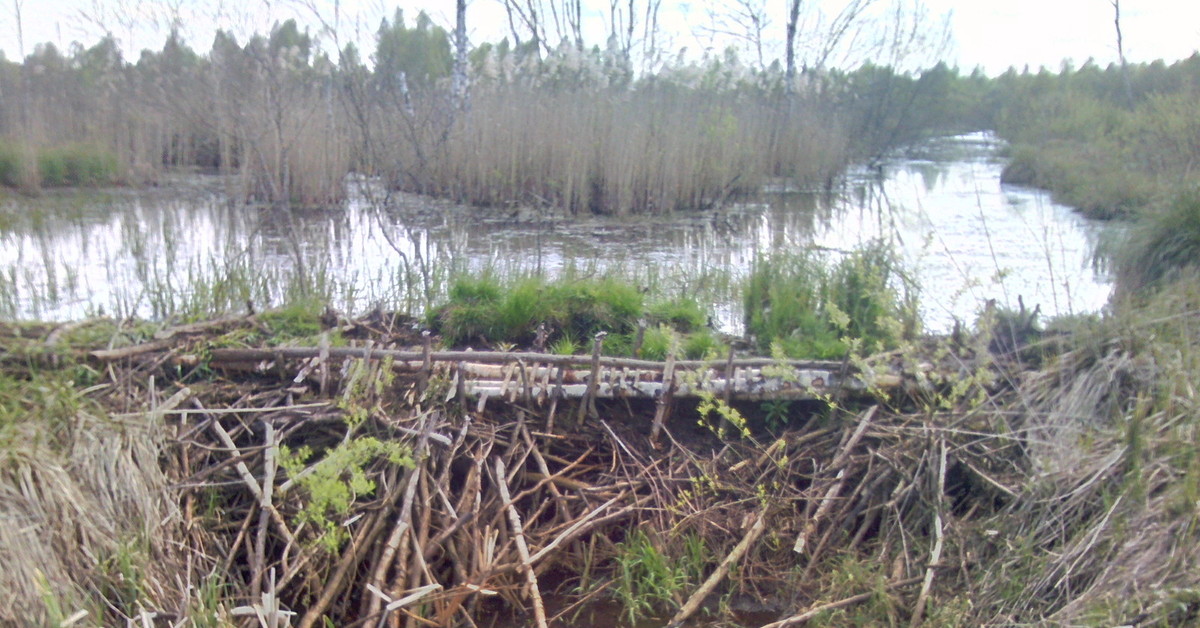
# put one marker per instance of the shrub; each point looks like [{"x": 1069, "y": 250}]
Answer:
[
  {"x": 10, "y": 165},
  {"x": 77, "y": 165}
]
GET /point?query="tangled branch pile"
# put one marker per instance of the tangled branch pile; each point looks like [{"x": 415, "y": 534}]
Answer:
[{"x": 338, "y": 491}]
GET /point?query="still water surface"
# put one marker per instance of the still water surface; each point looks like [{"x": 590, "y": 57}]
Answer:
[{"x": 966, "y": 237}]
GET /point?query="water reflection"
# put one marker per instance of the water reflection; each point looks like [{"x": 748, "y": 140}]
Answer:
[{"x": 967, "y": 237}]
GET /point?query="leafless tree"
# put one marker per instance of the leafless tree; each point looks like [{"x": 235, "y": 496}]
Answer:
[
  {"x": 792, "y": 23},
  {"x": 744, "y": 20},
  {"x": 1116, "y": 4},
  {"x": 460, "y": 53}
]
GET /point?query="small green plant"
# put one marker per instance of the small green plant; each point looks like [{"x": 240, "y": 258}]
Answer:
[
  {"x": 709, "y": 404},
  {"x": 565, "y": 345},
  {"x": 682, "y": 314},
  {"x": 335, "y": 481},
  {"x": 481, "y": 309},
  {"x": 776, "y": 413},
  {"x": 648, "y": 581}
]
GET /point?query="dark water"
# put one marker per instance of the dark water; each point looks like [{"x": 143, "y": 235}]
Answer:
[{"x": 160, "y": 251}]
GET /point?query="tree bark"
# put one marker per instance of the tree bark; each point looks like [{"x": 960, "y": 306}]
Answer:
[
  {"x": 460, "y": 56},
  {"x": 793, "y": 19}
]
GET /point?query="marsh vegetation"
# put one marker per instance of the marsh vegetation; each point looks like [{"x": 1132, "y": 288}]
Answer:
[{"x": 520, "y": 196}]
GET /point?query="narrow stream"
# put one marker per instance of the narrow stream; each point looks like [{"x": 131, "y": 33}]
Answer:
[{"x": 126, "y": 252}]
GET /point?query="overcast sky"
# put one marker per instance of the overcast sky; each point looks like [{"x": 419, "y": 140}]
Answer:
[{"x": 994, "y": 34}]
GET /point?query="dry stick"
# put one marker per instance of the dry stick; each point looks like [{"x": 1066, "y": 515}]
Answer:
[
  {"x": 936, "y": 555},
  {"x": 729, "y": 383},
  {"x": 664, "y": 401},
  {"x": 418, "y": 537},
  {"x": 514, "y": 519},
  {"x": 526, "y": 389},
  {"x": 460, "y": 387},
  {"x": 697, "y": 598},
  {"x": 264, "y": 516},
  {"x": 574, "y": 529},
  {"x": 254, "y": 487},
  {"x": 426, "y": 362},
  {"x": 554, "y": 397},
  {"x": 854, "y": 599},
  {"x": 393, "y": 543},
  {"x": 562, "y": 509},
  {"x": 810, "y": 526},
  {"x": 334, "y": 583},
  {"x": 835, "y": 523},
  {"x": 587, "y": 405},
  {"x": 323, "y": 357}
]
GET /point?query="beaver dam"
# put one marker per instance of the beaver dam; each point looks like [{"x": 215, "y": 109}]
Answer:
[{"x": 220, "y": 474}]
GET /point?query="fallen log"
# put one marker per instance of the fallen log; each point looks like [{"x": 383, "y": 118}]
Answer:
[{"x": 220, "y": 356}]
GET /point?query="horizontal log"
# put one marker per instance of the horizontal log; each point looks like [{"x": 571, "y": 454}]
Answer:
[
  {"x": 813, "y": 386},
  {"x": 503, "y": 357}
]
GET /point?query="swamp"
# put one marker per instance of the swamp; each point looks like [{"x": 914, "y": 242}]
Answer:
[{"x": 497, "y": 334}]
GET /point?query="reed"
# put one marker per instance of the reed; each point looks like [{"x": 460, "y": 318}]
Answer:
[{"x": 604, "y": 151}]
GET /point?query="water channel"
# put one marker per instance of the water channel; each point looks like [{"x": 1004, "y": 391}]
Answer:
[{"x": 966, "y": 237}]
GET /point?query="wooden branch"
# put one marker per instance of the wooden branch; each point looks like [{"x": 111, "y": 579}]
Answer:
[
  {"x": 936, "y": 555},
  {"x": 514, "y": 519},
  {"x": 698, "y": 597},
  {"x": 835, "y": 466},
  {"x": 664, "y": 400},
  {"x": 248, "y": 479},
  {"x": 588, "y": 405},
  {"x": 854, "y": 599},
  {"x": 264, "y": 517},
  {"x": 416, "y": 358}
]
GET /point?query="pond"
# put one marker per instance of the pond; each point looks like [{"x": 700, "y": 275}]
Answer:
[{"x": 180, "y": 247}]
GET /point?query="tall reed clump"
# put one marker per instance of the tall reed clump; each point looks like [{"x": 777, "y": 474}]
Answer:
[
  {"x": 570, "y": 311},
  {"x": 85, "y": 503},
  {"x": 614, "y": 151},
  {"x": 812, "y": 309}
]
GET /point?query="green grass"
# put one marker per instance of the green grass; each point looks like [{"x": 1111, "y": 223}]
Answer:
[
  {"x": 77, "y": 165},
  {"x": 648, "y": 579},
  {"x": 814, "y": 310},
  {"x": 67, "y": 165},
  {"x": 1161, "y": 244},
  {"x": 485, "y": 309}
]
